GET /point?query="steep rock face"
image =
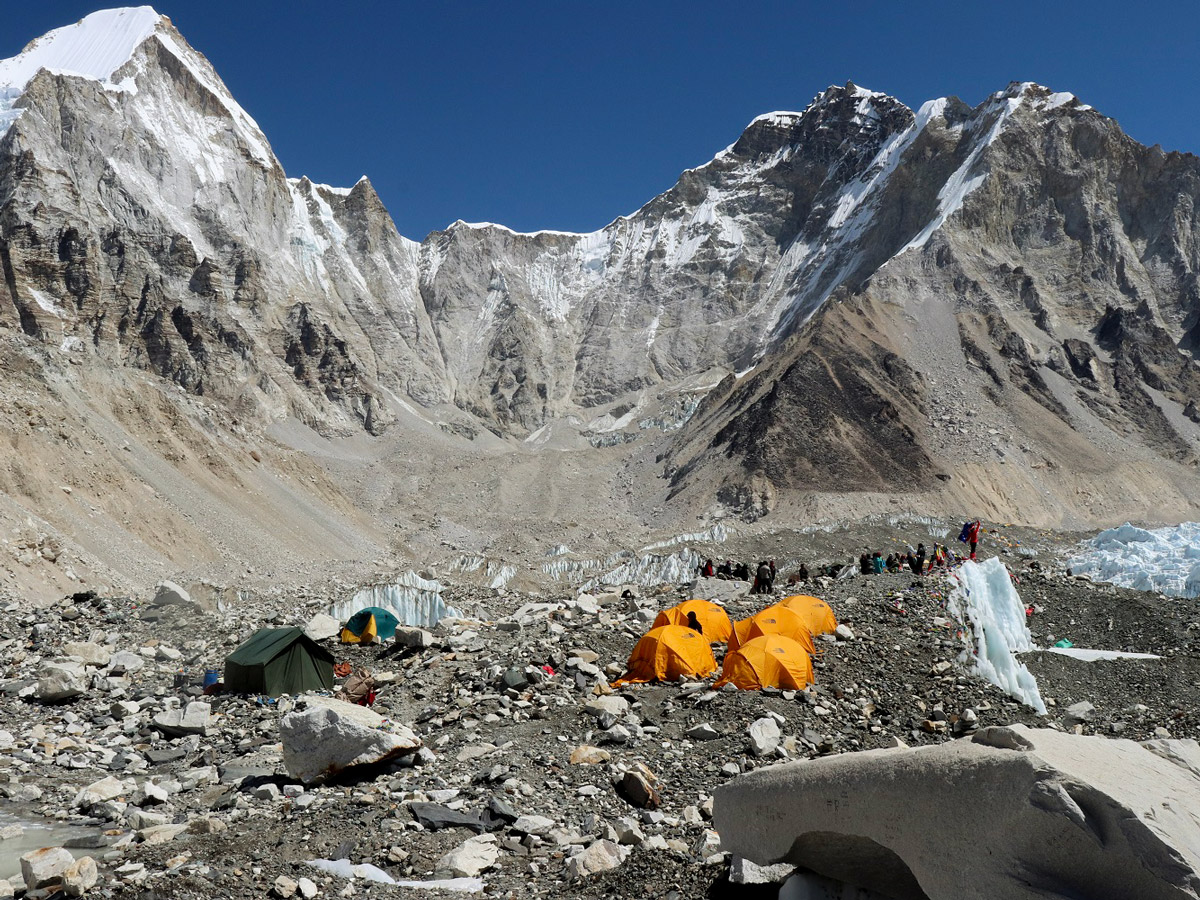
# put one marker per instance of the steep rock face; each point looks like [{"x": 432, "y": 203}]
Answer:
[
  {"x": 144, "y": 219},
  {"x": 1059, "y": 271}
]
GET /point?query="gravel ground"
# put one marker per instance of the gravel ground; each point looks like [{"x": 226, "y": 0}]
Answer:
[{"x": 899, "y": 678}]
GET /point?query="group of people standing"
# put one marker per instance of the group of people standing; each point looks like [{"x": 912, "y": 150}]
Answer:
[
  {"x": 918, "y": 561},
  {"x": 763, "y": 576}
]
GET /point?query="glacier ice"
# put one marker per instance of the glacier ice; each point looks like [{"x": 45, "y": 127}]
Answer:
[
  {"x": 413, "y": 600},
  {"x": 991, "y": 611},
  {"x": 1166, "y": 560}
]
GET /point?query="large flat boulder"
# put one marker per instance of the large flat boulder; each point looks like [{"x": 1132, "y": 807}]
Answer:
[
  {"x": 329, "y": 736},
  {"x": 1015, "y": 812}
]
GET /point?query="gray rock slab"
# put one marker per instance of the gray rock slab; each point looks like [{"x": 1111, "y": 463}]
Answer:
[
  {"x": 1061, "y": 815},
  {"x": 330, "y": 736},
  {"x": 192, "y": 719}
]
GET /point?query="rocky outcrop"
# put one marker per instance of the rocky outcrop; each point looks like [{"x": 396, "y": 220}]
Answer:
[{"x": 1060, "y": 816}]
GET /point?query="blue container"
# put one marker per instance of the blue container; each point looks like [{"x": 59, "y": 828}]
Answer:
[{"x": 211, "y": 677}]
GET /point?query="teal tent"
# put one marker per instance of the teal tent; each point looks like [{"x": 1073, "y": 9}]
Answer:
[
  {"x": 276, "y": 661},
  {"x": 385, "y": 622}
]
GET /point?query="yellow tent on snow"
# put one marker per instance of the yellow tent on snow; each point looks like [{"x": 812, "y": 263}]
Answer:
[
  {"x": 712, "y": 618},
  {"x": 665, "y": 653},
  {"x": 814, "y": 611},
  {"x": 770, "y": 660},
  {"x": 776, "y": 619}
]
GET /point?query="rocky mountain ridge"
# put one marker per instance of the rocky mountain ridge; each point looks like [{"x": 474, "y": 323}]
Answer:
[{"x": 836, "y": 297}]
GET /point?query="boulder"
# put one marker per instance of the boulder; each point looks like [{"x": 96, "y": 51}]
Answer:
[
  {"x": 41, "y": 868},
  {"x": 413, "y": 638},
  {"x": 1061, "y": 815},
  {"x": 99, "y": 791},
  {"x": 329, "y": 736},
  {"x": 125, "y": 661},
  {"x": 703, "y": 732},
  {"x": 192, "y": 719},
  {"x": 599, "y": 856},
  {"x": 80, "y": 877},
  {"x": 470, "y": 857},
  {"x": 87, "y": 653},
  {"x": 168, "y": 593},
  {"x": 322, "y": 627},
  {"x": 58, "y": 682}
]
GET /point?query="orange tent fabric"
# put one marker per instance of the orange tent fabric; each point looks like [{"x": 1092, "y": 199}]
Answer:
[
  {"x": 770, "y": 660},
  {"x": 665, "y": 653},
  {"x": 712, "y": 618},
  {"x": 814, "y": 611},
  {"x": 777, "y": 619}
]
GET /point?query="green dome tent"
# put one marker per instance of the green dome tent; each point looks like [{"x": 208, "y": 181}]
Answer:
[
  {"x": 368, "y": 623},
  {"x": 276, "y": 661}
]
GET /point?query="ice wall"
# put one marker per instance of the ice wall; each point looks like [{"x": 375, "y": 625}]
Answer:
[
  {"x": 498, "y": 575},
  {"x": 649, "y": 570},
  {"x": 718, "y": 534},
  {"x": 411, "y": 599},
  {"x": 1166, "y": 560},
  {"x": 992, "y": 613}
]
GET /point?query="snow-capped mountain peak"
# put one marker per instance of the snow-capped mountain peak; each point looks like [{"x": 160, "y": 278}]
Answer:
[{"x": 94, "y": 47}]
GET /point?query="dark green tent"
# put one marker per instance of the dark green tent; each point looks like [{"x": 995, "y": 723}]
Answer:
[{"x": 276, "y": 661}]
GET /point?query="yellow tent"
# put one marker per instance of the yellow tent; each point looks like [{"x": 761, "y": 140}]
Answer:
[
  {"x": 771, "y": 660},
  {"x": 814, "y": 611},
  {"x": 712, "y": 618},
  {"x": 366, "y": 636},
  {"x": 665, "y": 653},
  {"x": 777, "y": 619}
]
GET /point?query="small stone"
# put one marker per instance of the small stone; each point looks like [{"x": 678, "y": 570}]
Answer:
[
  {"x": 308, "y": 890},
  {"x": 284, "y": 887},
  {"x": 538, "y": 825},
  {"x": 637, "y": 787},
  {"x": 600, "y": 856},
  {"x": 764, "y": 736},
  {"x": 611, "y": 705},
  {"x": 1079, "y": 713},
  {"x": 587, "y": 755},
  {"x": 470, "y": 858},
  {"x": 703, "y": 732}
]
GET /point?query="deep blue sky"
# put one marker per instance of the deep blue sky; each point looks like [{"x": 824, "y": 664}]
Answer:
[{"x": 565, "y": 115}]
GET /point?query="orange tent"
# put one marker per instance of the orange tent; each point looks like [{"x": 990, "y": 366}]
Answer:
[
  {"x": 665, "y": 653},
  {"x": 777, "y": 619},
  {"x": 814, "y": 611},
  {"x": 712, "y": 618},
  {"x": 771, "y": 660}
]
